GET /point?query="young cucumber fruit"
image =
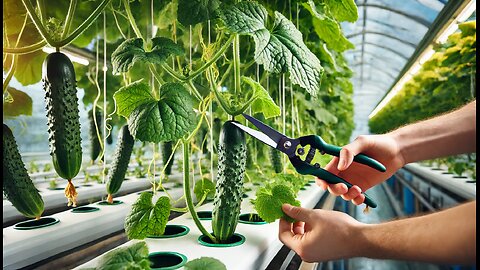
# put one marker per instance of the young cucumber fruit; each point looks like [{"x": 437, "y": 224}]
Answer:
[
  {"x": 116, "y": 174},
  {"x": 167, "y": 149},
  {"x": 18, "y": 188},
  {"x": 232, "y": 152},
  {"x": 276, "y": 160},
  {"x": 95, "y": 147},
  {"x": 59, "y": 83}
]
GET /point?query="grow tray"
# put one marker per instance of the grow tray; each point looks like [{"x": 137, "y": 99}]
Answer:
[
  {"x": 72, "y": 231},
  {"x": 260, "y": 246}
]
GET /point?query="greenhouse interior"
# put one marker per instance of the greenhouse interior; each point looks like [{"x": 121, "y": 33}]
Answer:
[{"x": 239, "y": 135}]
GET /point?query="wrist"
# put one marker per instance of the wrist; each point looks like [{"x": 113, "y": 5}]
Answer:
[
  {"x": 399, "y": 140},
  {"x": 360, "y": 245}
]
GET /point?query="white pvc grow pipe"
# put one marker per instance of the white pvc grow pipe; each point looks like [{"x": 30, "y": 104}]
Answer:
[
  {"x": 259, "y": 249},
  {"x": 25, "y": 247}
]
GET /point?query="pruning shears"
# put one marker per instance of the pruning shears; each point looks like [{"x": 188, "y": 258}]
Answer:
[{"x": 295, "y": 149}]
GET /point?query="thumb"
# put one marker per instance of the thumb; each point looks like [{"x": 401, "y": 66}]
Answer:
[{"x": 297, "y": 213}]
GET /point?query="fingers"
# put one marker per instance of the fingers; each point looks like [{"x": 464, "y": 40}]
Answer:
[
  {"x": 285, "y": 233},
  {"x": 352, "y": 193},
  {"x": 359, "y": 199},
  {"x": 349, "y": 151},
  {"x": 299, "y": 227},
  {"x": 297, "y": 213}
]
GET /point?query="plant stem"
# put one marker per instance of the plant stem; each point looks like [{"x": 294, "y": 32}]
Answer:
[
  {"x": 188, "y": 194},
  {"x": 172, "y": 73},
  {"x": 236, "y": 63},
  {"x": 132, "y": 19},
  {"x": 13, "y": 67},
  {"x": 219, "y": 97},
  {"x": 194, "y": 89},
  {"x": 82, "y": 27},
  {"x": 214, "y": 59},
  {"x": 37, "y": 22},
  {"x": 41, "y": 9},
  {"x": 69, "y": 17},
  {"x": 27, "y": 49}
]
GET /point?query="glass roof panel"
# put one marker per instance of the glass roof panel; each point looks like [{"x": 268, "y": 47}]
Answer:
[{"x": 385, "y": 36}]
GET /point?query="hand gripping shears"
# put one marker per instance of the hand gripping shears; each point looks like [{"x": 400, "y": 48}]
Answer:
[{"x": 295, "y": 149}]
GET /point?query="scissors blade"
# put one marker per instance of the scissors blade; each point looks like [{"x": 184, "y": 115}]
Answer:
[
  {"x": 267, "y": 130},
  {"x": 257, "y": 134}
]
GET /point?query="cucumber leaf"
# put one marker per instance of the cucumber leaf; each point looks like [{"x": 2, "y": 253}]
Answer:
[
  {"x": 280, "y": 49},
  {"x": 343, "y": 10},
  {"x": 129, "y": 97},
  {"x": 328, "y": 29},
  {"x": 205, "y": 263},
  {"x": 269, "y": 200},
  {"x": 146, "y": 218},
  {"x": 132, "y": 50},
  {"x": 17, "y": 103},
  {"x": 191, "y": 12},
  {"x": 263, "y": 103},
  {"x": 168, "y": 119},
  {"x": 132, "y": 257}
]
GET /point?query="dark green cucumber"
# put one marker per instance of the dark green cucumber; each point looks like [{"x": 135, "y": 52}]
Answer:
[
  {"x": 232, "y": 155},
  {"x": 59, "y": 83},
  {"x": 95, "y": 147},
  {"x": 18, "y": 188},
  {"x": 110, "y": 137},
  {"x": 123, "y": 152},
  {"x": 167, "y": 149},
  {"x": 276, "y": 160}
]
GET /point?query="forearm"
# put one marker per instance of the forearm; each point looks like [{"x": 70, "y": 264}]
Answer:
[
  {"x": 445, "y": 135},
  {"x": 445, "y": 237}
]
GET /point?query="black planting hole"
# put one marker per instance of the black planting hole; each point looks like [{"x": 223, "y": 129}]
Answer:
[
  {"x": 235, "y": 238},
  {"x": 204, "y": 215},
  {"x": 164, "y": 259},
  {"x": 32, "y": 224},
  {"x": 85, "y": 209}
]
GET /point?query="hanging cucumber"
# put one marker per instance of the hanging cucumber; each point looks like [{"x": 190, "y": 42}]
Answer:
[
  {"x": 95, "y": 147},
  {"x": 18, "y": 188},
  {"x": 119, "y": 167},
  {"x": 276, "y": 160},
  {"x": 232, "y": 153},
  {"x": 59, "y": 83},
  {"x": 110, "y": 137},
  {"x": 167, "y": 149}
]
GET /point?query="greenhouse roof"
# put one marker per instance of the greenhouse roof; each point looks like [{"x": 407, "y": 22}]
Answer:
[{"x": 385, "y": 36}]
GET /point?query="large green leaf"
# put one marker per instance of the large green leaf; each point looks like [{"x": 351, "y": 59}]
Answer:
[
  {"x": 343, "y": 10},
  {"x": 29, "y": 67},
  {"x": 133, "y": 257},
  {"x": 129, "y": 97},
  {"x": 263, "y": 103},
  {"x": 167, "y": 119},
  {"x": 328, "y": 29},
  {"x": 280, "y": 49},
  {"x": 146, "y": 218},
  {"x": 191, "y": 12},
  {"x": 132, "y": 50},
  {"x": 18, "y": 103}
]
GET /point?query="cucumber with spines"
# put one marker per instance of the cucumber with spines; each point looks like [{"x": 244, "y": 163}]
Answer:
[
  {"x": 232, "y": 157},
  {"x": 18, "y": 188},
  {"x": 58, "y": 76},
  {"x": 119, "y": 167}
]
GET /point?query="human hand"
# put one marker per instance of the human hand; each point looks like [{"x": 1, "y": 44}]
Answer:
[
  {"x": 383, "y": 148},
  {"x": 320, "y": 235}
]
